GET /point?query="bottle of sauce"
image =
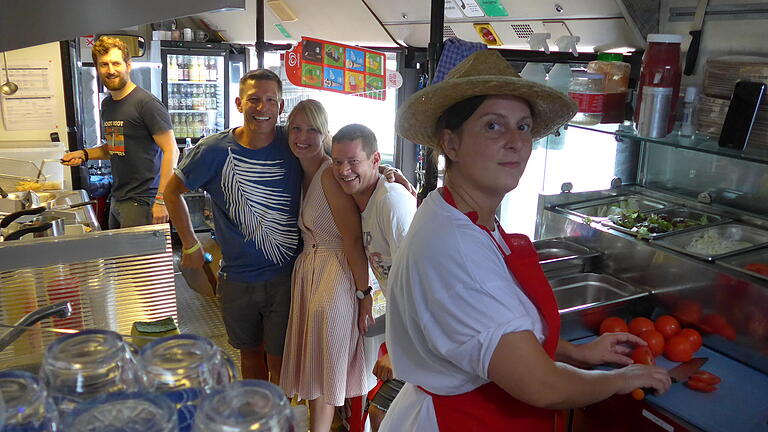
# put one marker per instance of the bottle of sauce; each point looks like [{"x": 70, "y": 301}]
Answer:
[
  {"x": 616, "y": 84},
  {"x": 588, "y": 90},
  {"x": 661, "y": 69}
]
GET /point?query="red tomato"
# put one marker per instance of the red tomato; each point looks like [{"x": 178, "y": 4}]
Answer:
[
  {"x": 693, "y": 336},
  {"x": 707, "y": 377},
  {"x": 678, "y": 348},
  {"x": 655, "y": 341},
  {"x": 613, "y": 325},
  {"x": 643, "y": 355},
  {"x": 688, "y": 312},
  {"x": 667, "y": 325},
  {"x": 639, "y": 325},
  {"x": 700, "y": 386}
]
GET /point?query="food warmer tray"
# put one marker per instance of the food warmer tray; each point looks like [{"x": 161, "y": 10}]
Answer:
[
  {"x": 728, "y": 231},
  {"x": 737, "y": 262},
  {"x": 561, "y": 256},
  {"x": 673, "y": 212},
  {"x": 735, "y": 406},
  {"x": 585, "y": 290},
  {"x": 600, "y": 209}
]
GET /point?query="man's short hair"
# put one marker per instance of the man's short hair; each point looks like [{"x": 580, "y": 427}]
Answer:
[
  {"x": 104, "y": 45},
  {"x": 355, "y": 131},
  {"x": 262, "y": 75}
]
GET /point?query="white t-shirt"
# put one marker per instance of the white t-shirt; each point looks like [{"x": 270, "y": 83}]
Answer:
[
  {"x": 451, "y": 298},
  {"x": 385, "y": 221}
]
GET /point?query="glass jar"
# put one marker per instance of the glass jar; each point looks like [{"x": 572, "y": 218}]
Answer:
[
  {"x": 661, "y": 69},
  {"x": 588, "y": 90},
  {"x": 616, "y": 84}
]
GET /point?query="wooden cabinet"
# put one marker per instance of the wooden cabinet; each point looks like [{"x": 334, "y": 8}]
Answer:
[{"x": 622, "y": 413}]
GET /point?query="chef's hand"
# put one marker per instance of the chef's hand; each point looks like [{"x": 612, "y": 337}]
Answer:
[
  {"x": 193, "y": 259},
  {"x": 608, "y": 348},
  {"x": 394, "y": 175},
  {"x": 642, "y": 376},
  {"x": 75, "y": 158},
  {"x": 159, "y": 214},
  {"x": 383, "y": 368},
  {"x": 365, "y": 314}
]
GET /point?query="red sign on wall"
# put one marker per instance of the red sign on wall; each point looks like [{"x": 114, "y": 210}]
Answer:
[{"x": 323, "y": 65}]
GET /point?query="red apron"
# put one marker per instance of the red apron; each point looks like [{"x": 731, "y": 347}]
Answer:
[{"x": 489, "y": 407}]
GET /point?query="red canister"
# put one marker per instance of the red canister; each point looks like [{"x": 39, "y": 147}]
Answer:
[{"x": 661, "y": 68}]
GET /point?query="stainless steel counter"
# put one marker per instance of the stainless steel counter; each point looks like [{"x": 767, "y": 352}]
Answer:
[{"x": 668, "y": 276}]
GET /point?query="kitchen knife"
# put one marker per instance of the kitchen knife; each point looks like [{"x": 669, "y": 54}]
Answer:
[
  {"x": 679, "y": 373},
  {"x": 693, "y": 48}
]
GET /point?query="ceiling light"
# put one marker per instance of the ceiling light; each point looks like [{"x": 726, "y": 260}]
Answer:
[{"x": 282, "y": 10}]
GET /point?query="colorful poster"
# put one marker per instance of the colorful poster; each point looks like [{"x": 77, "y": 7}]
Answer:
[
  {"x": 339, "y": 68},
  {"x": 373, "y": 63},
  {"x": 311, "y": 74},
  {"x": 355, "y": 59},
  {"x": 334, "y": 55},
  {"x": 334, "y": 79}
]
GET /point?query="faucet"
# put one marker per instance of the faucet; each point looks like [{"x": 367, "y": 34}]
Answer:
[{"x": 58, "y": 310}]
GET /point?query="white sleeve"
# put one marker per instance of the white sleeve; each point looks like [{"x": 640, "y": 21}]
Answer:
[
  {"x": 395, "y": 215},
  {"x": 468, "y": 336}
]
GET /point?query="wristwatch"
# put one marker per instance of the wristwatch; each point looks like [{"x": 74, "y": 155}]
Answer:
[{"x": 362, "y": 294}]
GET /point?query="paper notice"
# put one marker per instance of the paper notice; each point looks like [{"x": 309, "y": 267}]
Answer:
[{"x": 33, "y": 107}]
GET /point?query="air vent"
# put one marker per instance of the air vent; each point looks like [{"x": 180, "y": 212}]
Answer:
[
  {"x": 448, "y": 32},
  {"x": 523, "y": 31}
]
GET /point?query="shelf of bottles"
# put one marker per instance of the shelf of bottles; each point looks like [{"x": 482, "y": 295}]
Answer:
[{"x": 196, "y": 94}]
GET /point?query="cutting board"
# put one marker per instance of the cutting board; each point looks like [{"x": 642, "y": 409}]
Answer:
[{"x": 739, "y": 404}]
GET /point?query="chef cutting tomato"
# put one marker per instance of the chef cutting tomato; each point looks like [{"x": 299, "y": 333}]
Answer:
[{"x": 472, "y": 323}]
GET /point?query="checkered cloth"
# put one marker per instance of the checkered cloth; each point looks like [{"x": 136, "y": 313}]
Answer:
[{"x": 454, "y": 51}]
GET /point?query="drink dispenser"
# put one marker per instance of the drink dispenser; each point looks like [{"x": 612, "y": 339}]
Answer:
[{"x": 661, "y": 71}]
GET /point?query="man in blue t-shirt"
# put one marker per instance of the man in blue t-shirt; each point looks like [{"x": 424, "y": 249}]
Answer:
[{"x": 255, "y": 185}]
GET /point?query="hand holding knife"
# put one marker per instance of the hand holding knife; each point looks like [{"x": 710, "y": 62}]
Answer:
[{"x": 679, "y": 373}]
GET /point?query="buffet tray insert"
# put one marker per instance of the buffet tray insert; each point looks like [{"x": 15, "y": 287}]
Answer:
[
  {"x": 602, "y": 208},
  {"x": 715, "y": 242},
  {"x": 585, "y": 290},
  {"x": 707, "y": 219},
  {"x": 740, "y": 261}
]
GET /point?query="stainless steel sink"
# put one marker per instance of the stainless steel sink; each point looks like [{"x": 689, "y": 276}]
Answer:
[{"x": 588, "y": 290}]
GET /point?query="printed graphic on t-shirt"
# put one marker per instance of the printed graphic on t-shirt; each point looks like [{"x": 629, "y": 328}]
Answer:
[
  {"x": 378, "y": 262},
  {"x": 113, "y": 133},
  {"x": 261, "y": 213}
]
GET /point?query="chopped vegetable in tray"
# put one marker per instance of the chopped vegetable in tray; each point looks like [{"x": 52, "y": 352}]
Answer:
[
  {"x": 710, "y": 243},
  {"x": 646, "y": 224},
  {"x": 759, "y": 268}
]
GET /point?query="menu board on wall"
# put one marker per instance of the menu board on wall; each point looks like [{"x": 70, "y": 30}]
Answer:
[{"x": 339, "y": 68}]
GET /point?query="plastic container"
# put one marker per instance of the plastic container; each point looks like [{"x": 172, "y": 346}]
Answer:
[
  {"x": 661, "y": 68},
  {"x": 587, "y": 89},
  {"x": 616, "y": 84},
  {"x": 559, "y": 78},
  {"x": 687, "y": 121},
  {"x": 534, "y": 72}
]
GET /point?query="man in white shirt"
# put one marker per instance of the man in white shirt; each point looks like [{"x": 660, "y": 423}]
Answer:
[{"x": 386, "y": 212}]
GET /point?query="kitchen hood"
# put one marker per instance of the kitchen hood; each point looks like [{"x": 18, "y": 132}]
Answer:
[{"x": 33, "y": 22}]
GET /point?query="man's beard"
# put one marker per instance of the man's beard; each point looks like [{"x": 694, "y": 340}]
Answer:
[{"x": 115, "y": 85}]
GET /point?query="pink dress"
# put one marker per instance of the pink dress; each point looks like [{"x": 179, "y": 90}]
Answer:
[{"x": 323, "y": 353}]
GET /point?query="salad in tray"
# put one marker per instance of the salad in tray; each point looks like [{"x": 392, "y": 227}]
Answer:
[{"x": 645, "y": 224}]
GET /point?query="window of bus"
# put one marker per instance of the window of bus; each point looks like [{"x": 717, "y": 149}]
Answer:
[{"x": 343, "y": 109}]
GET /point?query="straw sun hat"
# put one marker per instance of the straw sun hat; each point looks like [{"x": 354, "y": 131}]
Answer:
[{"x": 485, "y": 72}]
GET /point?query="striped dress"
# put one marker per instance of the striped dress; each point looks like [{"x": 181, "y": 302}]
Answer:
[{"x": 323, "y": 353}]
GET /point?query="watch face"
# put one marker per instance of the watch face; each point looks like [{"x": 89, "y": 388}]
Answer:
[{"x": 360, "y": 294}]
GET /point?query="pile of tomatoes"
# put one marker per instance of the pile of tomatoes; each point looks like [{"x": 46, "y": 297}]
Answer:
[{"x": 663, "y": 336}]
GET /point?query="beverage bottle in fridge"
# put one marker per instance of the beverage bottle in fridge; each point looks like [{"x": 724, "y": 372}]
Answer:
[
  {"x": 213, "y": 71},
  {"x": 196, "y": 98},
  {"x": 185, "y": 68},
  {"x": 559, "y": 78},
  {"x": 188, "y": 97},
  {"x": 180, "y": 68},
  {"x": 172, "y": 68},
  {"x": 195, "y": 70},
  {"x": 189, "y": 124},
  {"x": 172, "y": 97},
  {"x": 616, "y": 84},
  {"x": 661, "y": 70},
  {"x": 200, "y": 69}
]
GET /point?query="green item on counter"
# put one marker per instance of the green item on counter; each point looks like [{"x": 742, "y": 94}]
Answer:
[{"x": 153, "y": 329}]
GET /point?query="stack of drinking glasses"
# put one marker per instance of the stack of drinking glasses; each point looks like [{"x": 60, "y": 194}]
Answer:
[{"x": 96, "y": 381}]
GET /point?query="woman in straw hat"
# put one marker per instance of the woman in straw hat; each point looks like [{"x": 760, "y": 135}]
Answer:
[{"x": 472, "y": 323}]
